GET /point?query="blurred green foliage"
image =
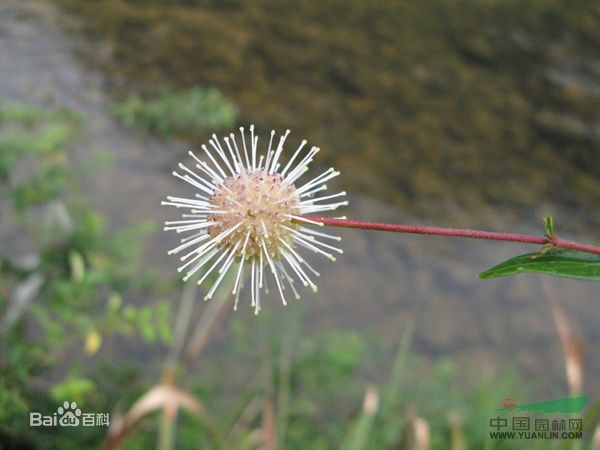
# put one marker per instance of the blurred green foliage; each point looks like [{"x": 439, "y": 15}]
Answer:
[
  {"x": 62, "y": 281},
  {"x": 24, "y": 137},
  {"x": 320, "y": 394},
  {"x": 184, "y": 113}
]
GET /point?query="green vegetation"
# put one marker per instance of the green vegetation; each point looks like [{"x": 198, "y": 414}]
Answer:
[
  {"x": 303, "y": 391},
  {"x": 187, "y": 113},
  {"x": 65, "y": 285},
  {"x": 560, "y": 263}
]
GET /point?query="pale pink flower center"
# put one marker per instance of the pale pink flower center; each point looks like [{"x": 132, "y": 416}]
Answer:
[{"x": 263, "y": 203}]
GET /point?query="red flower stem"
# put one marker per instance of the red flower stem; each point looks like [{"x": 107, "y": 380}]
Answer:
[{"x": 554, "y": 241}]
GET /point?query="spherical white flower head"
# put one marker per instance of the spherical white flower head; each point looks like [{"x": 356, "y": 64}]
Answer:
[{"x": 248, "y": 215}]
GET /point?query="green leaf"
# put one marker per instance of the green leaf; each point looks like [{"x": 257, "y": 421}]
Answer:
[
  {"x": 549, "y": 224},
  {"x": 73, "y": 388},
  {"x": 559, "y": 263}
]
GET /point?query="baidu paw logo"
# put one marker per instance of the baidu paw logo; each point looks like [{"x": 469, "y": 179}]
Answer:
[{"x": 68, "y": 414}]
